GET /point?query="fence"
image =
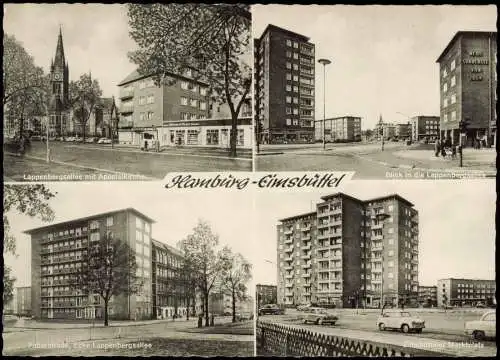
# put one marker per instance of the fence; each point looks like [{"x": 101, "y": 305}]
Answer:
[{"x": 283, "y": 340}]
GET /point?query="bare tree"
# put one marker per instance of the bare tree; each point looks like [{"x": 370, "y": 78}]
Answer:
[
  {"x": 109, "y": 269},
  {"x": 85, "y": 96},
  {"x": 199, "y": 249},
  {"x": 236, "y": 273}
]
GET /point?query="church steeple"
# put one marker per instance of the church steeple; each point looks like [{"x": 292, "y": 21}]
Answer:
[{"x": 59, "y": 59}]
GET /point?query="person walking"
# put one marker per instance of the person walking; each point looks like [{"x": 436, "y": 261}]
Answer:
[{"x": 437, "y": 147}]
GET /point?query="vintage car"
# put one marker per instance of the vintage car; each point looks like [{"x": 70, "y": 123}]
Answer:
[
  {"x": 400, "y": 320},
  {"x": 271, "y": 309},
  {"x": 318, "y": 316},
  {"x": 485, "y": 327}
]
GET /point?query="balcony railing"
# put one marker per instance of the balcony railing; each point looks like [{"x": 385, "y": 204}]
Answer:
[
  {"x": 124, "y": 94},
  {"x": 288, "y": 240}
]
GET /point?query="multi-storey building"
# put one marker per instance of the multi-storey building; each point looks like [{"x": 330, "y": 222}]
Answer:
[
  {"x": 339, "y": 129},
  {"x": 266, "y": 294},
  {"x": 467, "y": 84},
  {"x": 424, "y": 128},
  {"x": 176, "y": 113},
  {"x": 284, "y": 86},
  {"x": 427, "y": 295},
  {"x": 350, "y": 252},
  {"x": 169, "y": 290},
  {"x": 460, "y": 292},
  {"x": 57, "y": 252}
]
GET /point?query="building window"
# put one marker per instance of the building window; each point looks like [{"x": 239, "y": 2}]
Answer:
[
  {"x": 453, "y": 98},
  {"x": 391, "y": 253},
  {"x": 142, "y": 100},
  {"x": 288, "y": 54},
  {"x": 288, "y": 122},
  {"x": 184, "y": 100},
  {"x": 150, "y": 115},
  {"x": 296, "y": 56},
  {"x": 295, "y": 89},
  {"x": 453, "y": 65},
  {"x": 194, "y": 103},
  {"x": 95, "y": 236},
  {"x": 445, "y": 73},
  {"x": 241, "y": 137},
  {"x": 390, "y": 275},
  {"x": 288, "y": 65},
  {"x": 295, "y": 67},
  {"x": 288, "y": 110},
  {"x": 212, "y": 137},
  {"x": 142, "y": 116},
  {"x": 109, "y": 221},
  {"x": 184, "y": 85},
  {"x": 288, "y": 42},
  {"x": 288, "y": 99},
  {"x": 295, "y": 111},
  {"x": 151, "y": 99},
  {"x": 295, "y": 100},
  {"x": 445, "y": 118},
  {"x": 445, "y": 87},
  {"x": 453, "y": 116},
  {"x": 445, "y": 104},
  {"x": 391, "y": 241},
  {"x": 288, "y": 76},
  {"x": 295, "y": 78},
  {"x": 453, "y": 80},
  {"x": 390, "y": 263},
  {"x": 203, "y": 105},
  {"x": 295, "y": 45},
  {"x": 192, "y": 137},
  {"x": 289, "y": 88}
]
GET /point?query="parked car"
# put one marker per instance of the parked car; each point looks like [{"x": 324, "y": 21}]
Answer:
[
  {"x": 480, "y": 305},
  {"x": 35, "y": 138},
  {"x": 89, "y": 140},
  {"x": 401, "y": 320},
  {"x": 483, "y": 328},
  {"x": 271, "y": 309},
  {"x": 318, "y": 316},
  {"x": 303, "y": 307}
]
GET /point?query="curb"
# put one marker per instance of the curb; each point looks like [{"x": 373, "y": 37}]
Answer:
[{"x": 269, "y": 153}]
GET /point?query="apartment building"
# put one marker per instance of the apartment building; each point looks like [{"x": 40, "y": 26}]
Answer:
[
  {"x": 424, "y": 128},
  {"x": 349, "y": 252},
  {"x": 177, "y": 113},
  {"x": 169, "y": 291},
  {"x": 403, "y": 131},
  {"x": 56, "y": 254},
  {"x": 466, "y": 292},
  {"x": 284, "y": 86},
  {"x": 339, "y": 129},
  {"x": 427, "y": 295},
  {"x": 23, "y": 300},
  {"x": 467, "y": 83}
]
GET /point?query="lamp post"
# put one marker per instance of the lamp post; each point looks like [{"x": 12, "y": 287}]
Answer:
[{"x": 324, "y": 62}]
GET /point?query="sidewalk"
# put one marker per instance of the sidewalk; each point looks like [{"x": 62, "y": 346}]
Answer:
[
  {"x": 470, "y": 156},
  {"x": 446, "y": 348}
]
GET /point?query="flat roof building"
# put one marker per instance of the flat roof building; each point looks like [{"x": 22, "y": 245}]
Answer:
[
  {"x": 471, "y": 292},
  {"x": 349, "y": 252},
  {"x": 284, "y": 86},
  {"x": 424, "y": 128},
  {"x": 339, "y": 129},
  {"x": 467, "y": 87}
]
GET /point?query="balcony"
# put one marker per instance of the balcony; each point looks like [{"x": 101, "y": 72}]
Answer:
[
  {"x": 289, "y": 276},
  {"x": 288, "y": 258},
  {"x": 377, "y": 259},
  {"x": 306, "y": 61},
  {"x": 126, "y": 93},
  {"x": 288, "y": 267},
  {"x": 288, "y": 231},
  {"x": 306, "y": 275},
  {"x": 306, "y": 257},
  {"x": 289, "y": 249},
  {"x": 307, "y": 50},
  {"x": 324, "y": 269},
  {"x": 323, "y": 224},
  {"x": 306, "y": 247},
  {"x": 126, "y": 110},
  {"x": 306, "y": 237},
  {"x": 376, "y": 270},
  {"x": 377, "y": 237},
  {"x": 288, "y": 240},
  {"x": 306, "y": 266},
  {"x": 288, "y": 293},
  {"x": 377, "y": 226},
  {"x": 306, "y": 94},
  {"x": 377, "y": 281},
  {"x": 323, "y": 281},
  {"x": 377, "y": 248},
  {"x": 306, "y": 227}
]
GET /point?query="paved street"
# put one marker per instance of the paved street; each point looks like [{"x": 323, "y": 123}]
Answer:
[
  {"x": 441, "y": 332},
  {"x": 167, "y": 337},
  {"x": 368, "y": 161},
  {"x": 119, "y": 163}
]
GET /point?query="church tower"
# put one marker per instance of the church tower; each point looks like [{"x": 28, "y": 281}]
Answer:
[{"x": 59, "y": 102}]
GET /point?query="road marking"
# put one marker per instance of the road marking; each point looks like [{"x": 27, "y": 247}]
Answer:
[
  {"x": 87, "y": 167},
  {"x": 160, "y": 153}
]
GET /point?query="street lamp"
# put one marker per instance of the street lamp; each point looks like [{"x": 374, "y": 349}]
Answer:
[{"x": 324, "y": 62}]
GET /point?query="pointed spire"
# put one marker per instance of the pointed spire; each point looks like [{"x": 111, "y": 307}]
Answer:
[{"x": 60, "y": 59}]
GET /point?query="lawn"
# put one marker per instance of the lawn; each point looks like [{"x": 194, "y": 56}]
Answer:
[{"x": 239, "y": 328}]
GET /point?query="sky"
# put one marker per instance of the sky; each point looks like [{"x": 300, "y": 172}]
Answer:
[
  {"x": 456, "y": 224},
  {"x": 383, "y": 57},
  {"x": 95, "y": 38},
  {"x": 176, "y": 213}
]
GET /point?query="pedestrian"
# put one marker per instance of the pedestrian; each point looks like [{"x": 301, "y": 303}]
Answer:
[
  {"x": 443, "y": 151},
  {"x": 145, "y": 145},
  {"x": 454, "y": 152},
  {"x": 437, "y": 148}
]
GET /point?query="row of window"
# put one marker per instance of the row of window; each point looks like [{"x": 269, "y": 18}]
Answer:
[
  {"x": 143, "y": 100},
  {"x": 453, "y": 100},
  {"x": 452, "y": 67},
  {"x": 453, "y": 82},
  {"x": 296, "y": 78},
  {"x": 194, "y": 103},
  {"x": 450, "y": 116},
  {"x": 186, "y": 85}
]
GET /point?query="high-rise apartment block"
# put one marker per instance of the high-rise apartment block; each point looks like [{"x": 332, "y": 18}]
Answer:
[
  {"x": 424, "y": 128},
  {"x": 284, "y": 86},
  {"x": 468, "y": 83},
  {"x": 349, "y": 252}
]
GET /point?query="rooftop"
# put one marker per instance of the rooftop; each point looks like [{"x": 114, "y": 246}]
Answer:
[
  {"x": 136, "y": 75},
  {"x": 136, "y": 212},
  {"x": 341, "y": 194},
  {"x": 396, "y": 196},
  {"x": 462, "y": 279},
  {"x": 166, "y": 247},
  {"x": 298, "y": 216},
  {"x": 463, "y": 33},
  {"x": 271, "y": 27}
]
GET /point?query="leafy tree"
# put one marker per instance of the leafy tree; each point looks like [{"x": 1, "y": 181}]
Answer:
[
  {"x": 85, "y": 95},
  {"x": 109, "y": 269},
  {"x": 208, "y": 39},
  {"x": 199, "y": 250},
  {"x": 236, "y": 273},
  {"x": 24, "y": 83},
  {"x": 31, "y": 200}
]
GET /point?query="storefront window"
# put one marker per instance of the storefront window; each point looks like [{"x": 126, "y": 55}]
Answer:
[
  {"x": 192, "y": 137},
  {"x": 212, "y": 137}
]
